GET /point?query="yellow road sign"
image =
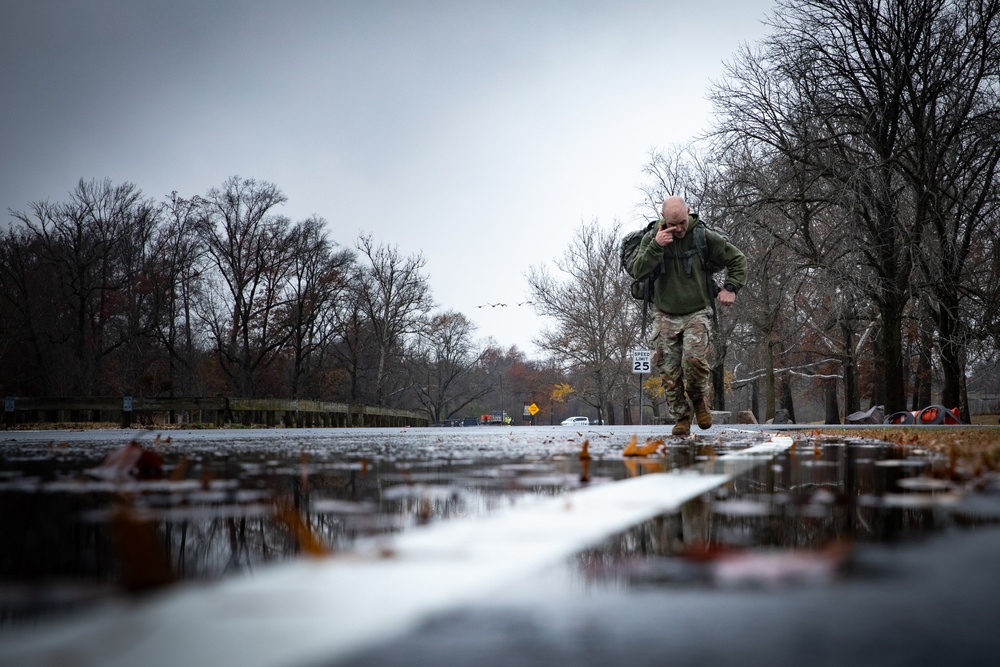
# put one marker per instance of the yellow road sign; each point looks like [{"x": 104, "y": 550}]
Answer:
[{"x": 533, "y": 409}]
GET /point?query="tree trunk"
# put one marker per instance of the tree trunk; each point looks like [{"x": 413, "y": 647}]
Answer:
[
  {"x": 755, "y": 400},
  {"x": 769, "y": 389},
  {"x": 890, "y": 382},
  {"x": 922, "y": 389},
  {"x": 786, "y": 397},
  {"x": 852, "y": 398},
  {"x": 951, "y": 351},
  {"x": 719, "y": 387},
  {"x": 832, "y": 406},
  {"x": 719, "y": 377}
]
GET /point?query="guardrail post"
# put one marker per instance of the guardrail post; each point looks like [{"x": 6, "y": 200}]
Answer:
[{"x": 126, "y": 411}]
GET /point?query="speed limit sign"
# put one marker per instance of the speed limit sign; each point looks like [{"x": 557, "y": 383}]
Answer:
[{"x": 640, "y": 360}]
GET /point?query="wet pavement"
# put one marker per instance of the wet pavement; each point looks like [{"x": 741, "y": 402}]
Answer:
[
  {"x": 931, "y": 602},
  {"x": 841, "y": 548}
]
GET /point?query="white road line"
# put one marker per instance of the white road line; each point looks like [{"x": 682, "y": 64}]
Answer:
[{"x": 322, "y": 610}]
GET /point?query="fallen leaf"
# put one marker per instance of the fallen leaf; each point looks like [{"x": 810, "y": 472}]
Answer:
[
  {"x": 650, "y": 447},
  {"x": 130, "y": 461}
]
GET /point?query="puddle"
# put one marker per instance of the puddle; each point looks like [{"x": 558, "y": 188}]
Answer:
[
  {"x": 87, "y": 519},
  {"x": 799, "y": 520}
]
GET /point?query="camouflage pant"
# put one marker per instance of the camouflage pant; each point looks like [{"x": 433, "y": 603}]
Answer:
[{"x": 681, "y": 345}]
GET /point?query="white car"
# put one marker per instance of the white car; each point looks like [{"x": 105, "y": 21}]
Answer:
[{"x": 576, "y": 421}]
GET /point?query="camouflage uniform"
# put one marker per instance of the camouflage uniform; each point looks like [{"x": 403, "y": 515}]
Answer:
[
  {"x": 681, "y": 345},
  {"x": 682, "y": 309}
]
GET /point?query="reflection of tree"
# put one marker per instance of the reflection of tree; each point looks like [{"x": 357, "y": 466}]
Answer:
[{"x": 801, "y": 507}]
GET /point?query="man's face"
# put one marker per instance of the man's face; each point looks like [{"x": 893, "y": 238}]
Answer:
[{"x": 676, "y": 221}]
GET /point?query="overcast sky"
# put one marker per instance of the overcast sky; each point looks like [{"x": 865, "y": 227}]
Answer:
[{"x": 480, "y": 134}]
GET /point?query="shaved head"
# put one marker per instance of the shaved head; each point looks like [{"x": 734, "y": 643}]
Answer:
[
  {"x": 675, "y": 210},
  {"x": 675, "y": 215}
]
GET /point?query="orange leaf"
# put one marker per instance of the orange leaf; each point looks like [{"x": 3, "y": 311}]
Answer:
[{"x": 650, "y": 447}]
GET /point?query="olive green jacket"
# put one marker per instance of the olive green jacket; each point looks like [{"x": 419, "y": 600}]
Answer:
[{"x": 676, "y": 291}]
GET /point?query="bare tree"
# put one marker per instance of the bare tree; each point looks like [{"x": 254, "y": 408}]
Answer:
[
  {"x": 953, "y": 107},
  {"x": 443, "y": 366},
  {"x": 587, "y": 305},
  {"x": 92, "y": 245},
  {"x": 838, "y": 92},
  {"x": 177, "y": 276},
  {"x": 317, "y": 277},
  {"x": 31, "y": 332},
  {"x": 393, "y": 299},
  {"x": 248, "y": 248}
]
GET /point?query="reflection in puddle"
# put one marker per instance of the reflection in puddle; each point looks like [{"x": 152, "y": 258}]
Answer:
[
  {"x": 86, "y": 520},
  {"x": 796, "y": 520},
  {"x": 89, "y": 519}
]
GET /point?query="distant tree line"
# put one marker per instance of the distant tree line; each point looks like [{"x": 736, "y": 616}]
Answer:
[{"x": 113, "y": 293}]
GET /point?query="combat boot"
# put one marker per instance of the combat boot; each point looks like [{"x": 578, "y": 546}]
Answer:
[
  {"x": 702, "y": 413},
  {"x": 682, "y": 427}
]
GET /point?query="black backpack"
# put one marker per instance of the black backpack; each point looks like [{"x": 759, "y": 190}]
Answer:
[{"x": 641, "y": 290}]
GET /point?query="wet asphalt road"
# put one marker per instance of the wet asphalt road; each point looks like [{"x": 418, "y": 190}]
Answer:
[
  {"x": 928, "y": 601},
  {"x": 933, "y": 602}
]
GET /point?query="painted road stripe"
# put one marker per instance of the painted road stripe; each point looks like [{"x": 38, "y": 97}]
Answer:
[{"x": 321, "y": 610}]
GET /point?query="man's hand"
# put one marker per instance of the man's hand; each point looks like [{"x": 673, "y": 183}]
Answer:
[
  {"x": 727, "y": 298},
  {"x": 665, "y": 236}
]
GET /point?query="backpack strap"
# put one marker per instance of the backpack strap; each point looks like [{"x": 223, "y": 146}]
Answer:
[
  {"x": 701, "y": 246},
  {"x": 700, "y": 249}
]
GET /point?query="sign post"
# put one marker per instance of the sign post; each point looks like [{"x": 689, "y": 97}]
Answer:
[
  {"x": 126, "y": 411},
  {"x": 641, "y": 365},
  {"x": 8, "y": 412},
  {"x": 532, "y": 410}
]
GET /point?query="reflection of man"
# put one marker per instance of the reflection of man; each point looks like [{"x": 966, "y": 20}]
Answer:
[{"x": 682, "y": 318}]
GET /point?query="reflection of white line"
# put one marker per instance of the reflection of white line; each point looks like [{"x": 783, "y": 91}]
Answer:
[{"x": 324, "y": 610}]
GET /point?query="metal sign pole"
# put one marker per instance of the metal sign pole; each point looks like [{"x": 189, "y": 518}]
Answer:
[
  {"x": 640, "y": 400},
  {"x": 641, "y": 366}
]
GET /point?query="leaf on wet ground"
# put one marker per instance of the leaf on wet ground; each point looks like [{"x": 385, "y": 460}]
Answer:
[
  {"x": 130, "y": 461},
  {"x": 634, "y": 449},
  {"x": 971, "y": 452}
]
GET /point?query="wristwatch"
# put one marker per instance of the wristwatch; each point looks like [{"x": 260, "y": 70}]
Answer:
[{"x": 730, "y": 287}]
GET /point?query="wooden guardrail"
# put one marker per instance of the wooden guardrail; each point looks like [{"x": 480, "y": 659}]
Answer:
[{"x": 140, "y": 411}]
